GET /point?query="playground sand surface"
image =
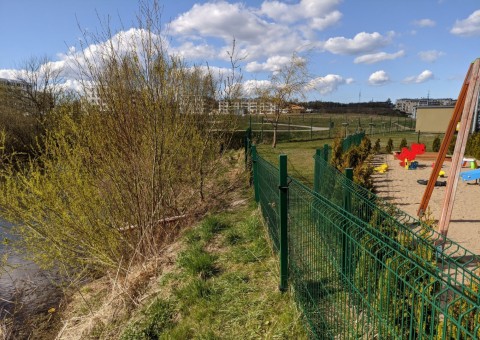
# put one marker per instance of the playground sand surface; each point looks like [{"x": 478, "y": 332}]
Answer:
[{"x": 399, "y": 186}]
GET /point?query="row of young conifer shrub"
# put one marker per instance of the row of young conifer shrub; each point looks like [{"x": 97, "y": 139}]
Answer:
[
  {"x": 472, "y": 147},
  {"x": 405, "y": 293}
]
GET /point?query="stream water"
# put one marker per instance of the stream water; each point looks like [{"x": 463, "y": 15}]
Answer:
[{"x": 25, "y": 289}]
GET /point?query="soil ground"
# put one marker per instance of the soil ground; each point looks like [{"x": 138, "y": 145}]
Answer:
[{"x": 399, "y": 186}]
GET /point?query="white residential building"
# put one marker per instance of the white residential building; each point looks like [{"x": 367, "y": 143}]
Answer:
[
  {"x": 409, "y": 105},
  {"x": 246, "y": 106},
  {"x": 14, "y": 95}
]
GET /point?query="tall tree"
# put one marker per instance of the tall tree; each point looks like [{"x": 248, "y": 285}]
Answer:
[
  {"x": 285, "y": 84},
  {"x": 41, "y": 88}
]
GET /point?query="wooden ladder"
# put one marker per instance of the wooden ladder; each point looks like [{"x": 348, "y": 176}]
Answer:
[{"x": 464, "y": 112}]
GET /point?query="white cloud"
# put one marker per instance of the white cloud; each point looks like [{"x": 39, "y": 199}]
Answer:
[
  {"x": 421, "y": 78},
  {"x": 424, "y": 23},
  {"x": 379, "y": 78},
  {"x": 251, "y": 87},
  {"x": 255, "y": 36},
  {"x": 377, "y": 57},
  {"x": 190, "y": 51},
  {"x": 73, "y": 84},
  {"x": 430, "y": 56},
  {"x": 129, "y": 41},
  {"x": 469, "y": 26},
  {"x": 272, "y": 64},
  {"x": 220, "y": 19},
  {"x": 321, "y": 14},
  {"x": 8, "y": 74},
  {"x": 328, "y": 83},
  {"x": 362, "y": 43},
  {"x": 328, "y": 20},
  {"x": 218, "y": 72}
]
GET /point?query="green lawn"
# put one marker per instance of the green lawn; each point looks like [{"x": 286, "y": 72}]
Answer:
[
  {"x": 300, "y": 154},
  {"x": 301, "y": 127},
  {"x": 225, "y": 286}
]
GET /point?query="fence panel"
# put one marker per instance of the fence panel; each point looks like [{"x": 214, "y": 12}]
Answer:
[
  {"x": 456, "y": 264},
  {"x": 269, "y": 197},
  {"x": 375, "y": 273}
]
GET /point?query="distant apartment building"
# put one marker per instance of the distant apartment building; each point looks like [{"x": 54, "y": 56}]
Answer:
[
  {"x": 409, "y": 105},
  {"x": 186, "y": 104},
  {"x": 92, "y": 96},
  {"x": 13, "y": 95},
  {"x": 15, "y": 84},
  {"x": 246, "y": 106}
]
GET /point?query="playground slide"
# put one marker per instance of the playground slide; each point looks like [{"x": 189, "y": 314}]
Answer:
[{"x": 470, "y": 175}]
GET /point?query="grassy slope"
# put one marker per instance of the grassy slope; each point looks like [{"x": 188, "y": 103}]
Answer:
[
  {"x": 218, "y": 281},
  {"x": 225, "y": 287}
]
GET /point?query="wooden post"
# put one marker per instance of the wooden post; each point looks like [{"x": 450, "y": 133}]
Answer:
[
  {"x": 462, "y": 137},
  {"x": 445, "y": 143}
]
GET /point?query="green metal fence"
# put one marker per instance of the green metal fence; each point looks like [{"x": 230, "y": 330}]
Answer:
[
  {"x": 361, "y": 268},
  {"x": 323, "y": 126},
  {"x": 352, "y": 140}
]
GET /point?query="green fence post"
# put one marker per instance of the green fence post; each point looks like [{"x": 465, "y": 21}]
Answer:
[
  {"x": 250, "y": 164},
  {"x": 289, "y": 136},
  {"x": 347, "y": 196},
  {"x": 255, "y": 173},
  {"x": 330, "y": 128},
  {"x": 418, "y": 137},
  {"x": 246, "y": 141},
  {"x": 316, "y": 169},
  {"x": 283, "y": 188},
  {"x": 261, "y": 132},
  {"x": 311, "y": 128},
  {"x": 347, "y": 206},
  {"x": 325, "y": 152}
]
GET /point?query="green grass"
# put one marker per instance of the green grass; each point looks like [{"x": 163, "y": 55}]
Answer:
[
  {"x": 225, "y": 287},
  {"x": 157, "y": 318},
  {"x": 289, "y": 127},
  {"x": 300, "y": 154},
  {"x": 197, "y": 261}
]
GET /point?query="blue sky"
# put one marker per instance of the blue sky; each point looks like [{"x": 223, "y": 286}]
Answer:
[{"x": 367, "y": 50}]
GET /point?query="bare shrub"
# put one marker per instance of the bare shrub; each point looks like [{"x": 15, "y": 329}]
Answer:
[{"x": 102, "y": 189}]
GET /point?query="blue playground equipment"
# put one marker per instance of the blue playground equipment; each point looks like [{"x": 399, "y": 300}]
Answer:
[{"x": 471, "y": 175}]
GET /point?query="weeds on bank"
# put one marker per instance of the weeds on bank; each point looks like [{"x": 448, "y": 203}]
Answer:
[{"x": 225, "y": 287}]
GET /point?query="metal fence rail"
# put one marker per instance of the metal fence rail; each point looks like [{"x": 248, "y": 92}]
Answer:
[
  {"x": 323, "y": 126},
  {"x": 455, "y": 263},
  {"x": 362, "y": 269}
]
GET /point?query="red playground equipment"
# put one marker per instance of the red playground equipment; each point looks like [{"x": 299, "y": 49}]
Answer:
[{"x": 409, "y": 155}]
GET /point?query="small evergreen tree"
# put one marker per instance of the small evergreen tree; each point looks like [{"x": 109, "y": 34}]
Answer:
[
  {"x": 473, "y": 145},
  {"x": 377, "y": 147},
  {"x": 337, "y": 154},
  {"x": 403, "y": 143},
  {"x": 436, "y": 144},
  {"x": 451, "y": 147},
  {"x": 389, "y": 146}
]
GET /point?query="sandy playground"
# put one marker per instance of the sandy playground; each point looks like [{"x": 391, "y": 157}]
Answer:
[{"x": 399, "y": 186}]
